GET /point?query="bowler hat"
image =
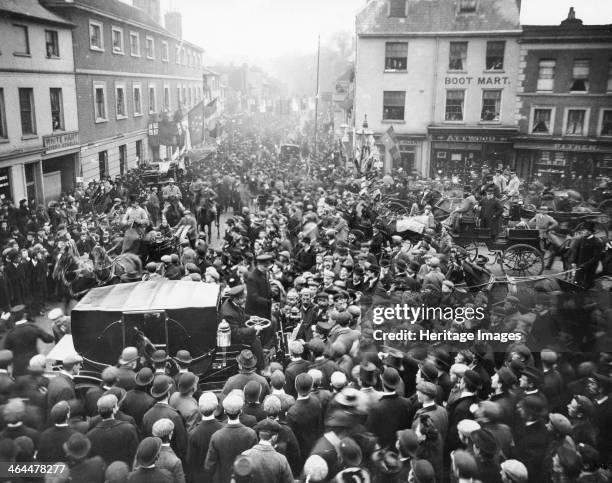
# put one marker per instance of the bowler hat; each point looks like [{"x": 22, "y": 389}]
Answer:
[
  {"x": 77, "y": 447},
  {"x": 147, "y": 451},
  {"x": 144, "y": 377},
  {"x": 161, "y": 386}
]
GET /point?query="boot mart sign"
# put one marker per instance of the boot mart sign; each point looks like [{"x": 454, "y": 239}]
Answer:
[{"x": 481, "y": 81}]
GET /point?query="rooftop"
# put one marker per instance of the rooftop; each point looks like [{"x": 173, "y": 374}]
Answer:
[
  {"x": 31, "y": 10},
  {"x": 437, "y": 16},
  {"x": 119, "y": 10}
]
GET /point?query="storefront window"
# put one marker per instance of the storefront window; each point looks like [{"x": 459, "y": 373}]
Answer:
[{"x": 606, "y": 123}]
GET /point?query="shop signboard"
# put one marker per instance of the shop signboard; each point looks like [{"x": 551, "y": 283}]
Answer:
[{"x": 60, "y": 141}]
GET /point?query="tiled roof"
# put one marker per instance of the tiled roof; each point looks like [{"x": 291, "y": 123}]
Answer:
[
  {"x": 433, "y": 16},
  {"x": 120, "y": 10},
  {"x": 31, "y": 9}
]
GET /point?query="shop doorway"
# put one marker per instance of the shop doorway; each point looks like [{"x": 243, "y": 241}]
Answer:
[{"x": 53, "y": 185}]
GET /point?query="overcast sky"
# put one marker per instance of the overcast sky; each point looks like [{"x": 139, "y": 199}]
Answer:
[{"x": 251, "y": 30}]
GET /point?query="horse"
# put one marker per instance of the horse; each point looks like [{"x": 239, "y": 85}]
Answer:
[
  {"x": 206, "y": 213},
  {"x": 173, "y": 213}
]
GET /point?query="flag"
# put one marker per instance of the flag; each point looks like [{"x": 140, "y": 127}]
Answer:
[
  {"x": 196, "y": 123},
  {"x": 388, "y": 139},
  {"x": 210, "y": 108}
]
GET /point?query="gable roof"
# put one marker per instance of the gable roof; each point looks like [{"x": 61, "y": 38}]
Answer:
[
  {"x": 438, "y": 16},
  {"x": 31, "y": 10}
]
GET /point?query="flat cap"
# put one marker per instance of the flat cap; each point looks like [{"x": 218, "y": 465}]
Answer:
[
  {"x": 561, "y": 424},
  {"x": 236, "y": 291},
  {"x": 264, "y": 257},
  {"x": 467, "y": 426},
  {"x": 6, "y": 356},
  {"x": 232, "y": 403},
  {"x": 269, "y": 425},
  {"x": 59, "y": 412},
  {"x": 465, "y": 463},
  {"x": 427, "y": 388},
  {"x": 515, "y": 470},
  {"x": 208, "y": 402},
  {"x": 108, "y": 401},
  {"x": 162, "y": 427}
]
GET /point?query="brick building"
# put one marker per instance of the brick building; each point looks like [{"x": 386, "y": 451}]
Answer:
[
  {"x": 442, "y": 73},
  {"x": 565, "y": 103},
  {"x": 39, "y": 136},
  {"x": 128, "y": 70}
]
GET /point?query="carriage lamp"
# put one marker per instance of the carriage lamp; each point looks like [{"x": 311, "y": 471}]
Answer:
[{"x": 224, "y": 339}]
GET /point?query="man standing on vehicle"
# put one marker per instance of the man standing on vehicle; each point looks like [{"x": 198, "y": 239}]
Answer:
[
  {"x": 585, "y": 255},
  {"x": 512, "y": 190},
  {"x": 465, "y": 209},
  {"x": 491, "y": 211},
  {"x": 171, "y": 190}
]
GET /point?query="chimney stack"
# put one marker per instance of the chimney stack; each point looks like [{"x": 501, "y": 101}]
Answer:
[
  {"x": 571, "y": 19},
  {"x": 151, "y": 7},
  {"x": 174, "y": 23}
]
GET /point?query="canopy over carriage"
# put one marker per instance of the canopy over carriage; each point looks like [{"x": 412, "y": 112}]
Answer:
[{"x": 164, "y": 314}]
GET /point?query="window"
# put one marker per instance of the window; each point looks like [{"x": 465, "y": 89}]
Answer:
[
  {"x": 21, "y": 39},
  {"x": 167, "y": 98},
  {"x": 3, "y": 132},
  {"x": 137, "y": 100},
  {"x": 546, "y": 73},
  {"x": 397, "y": 8},
  {"x": 454, "y": 105},
  {"x": 605, "y": 130},
  {"x": 57, "y": 105},
  {"x": 580, "y": 76},
  {"x": 117, "y": 35},
  {"x": 457, "y": 56},
  {"x": 542, "y": 121},
  {"x": 26, "y": 109},
  {"x": 96, "y": 42},
  {"x": 184, "y": 96},
  {"x": 467, "y": 6},
  {"x": 393, "y": 105},
  {"x": 51, "y": 43},
  {"x": 609, "y": 76},
  {"x": 396, "y": 56},
  {"x": 134, "y": 44},
  {"x": 575, "y": 124},
  {"x": 122, "y": 158},
  {"x": 152, "y": 105},
  {"x": 189, "y": 98},
  {"x": 120, "y": 101},
  {"x": 491, "y": 105},
  {"x": 150, "y": 47},
  {"x": 177, "y": 54},
  {"x": 183, "y": 57},
  {"x": 495, "y": 55},
  {"x": 164, "y": 51},
  {"x": 103, "y": 164},
  {"x": 100, "y": 101}
]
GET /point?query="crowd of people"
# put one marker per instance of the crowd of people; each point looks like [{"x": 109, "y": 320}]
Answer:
[{"x": 326, "y": 392}]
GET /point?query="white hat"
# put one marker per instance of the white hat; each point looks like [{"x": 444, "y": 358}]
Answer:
[{"x": 55, "y": 314}]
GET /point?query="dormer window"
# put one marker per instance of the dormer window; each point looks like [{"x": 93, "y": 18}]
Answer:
[
  {"x": 397, "y": 8},
  {"x": 467, "y": 6}
]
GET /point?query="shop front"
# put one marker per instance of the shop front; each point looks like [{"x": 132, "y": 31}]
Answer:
[
  {"x": 463, "y": 154},
  {"x": 562, "y": 163},
  {"x": 59, "y": 166}
]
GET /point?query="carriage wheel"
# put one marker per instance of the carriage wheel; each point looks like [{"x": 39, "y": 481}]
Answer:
[
  {"x": 522, "y": 260},
  {"x": 397, "y": 209},
  {"x": 601, "y": 230},
  {"x": 471, "y": 250},
  {"x": 606, "y": 207}
]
